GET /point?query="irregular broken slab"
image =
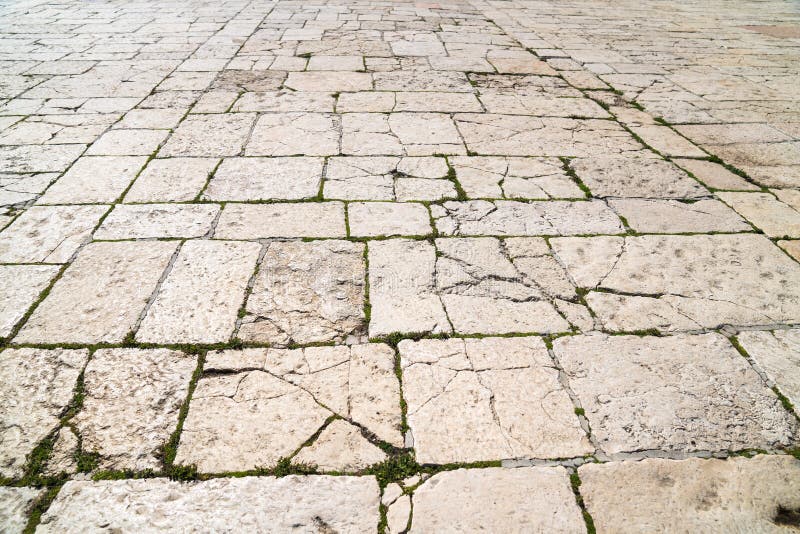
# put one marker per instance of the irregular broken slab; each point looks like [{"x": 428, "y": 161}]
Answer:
[
  {"x": 734, "y": 495},
  {"x": 294, "y": 134},
  {"x": 213, "y": 135},
  {"x": 20, "y": 286},
  {"x": 517, "y": 135},
  {"x": 94, "y": 179},
  {"x": 131, "y": 405},
  {"x": 263, "y": 221},
  {"x": 200, "y": 297},
  {"x": 635, "y": 177},
  {"x": 387, "y": 178},
  {"x": 510, "y": 218},
  {"x": 472, "y": 400},
  {"x": 777, "y": 354},
  {"x": 630, "y": 386},
  {"x": 342, "y": 504},
  {"x": 171, "y": 180},
  {"x": 500, "y": 177},
  {"x": 142, "y": 221},
  {"x": 711, "y": 280},
  {"x": 403, "y": 288},
  {"x": 661, "y": 216},
  {"x": 307, "y": 293},
  {"x": 373, "y": 219},
  {"x": 340, "y": 447},
  {"x": 266, "y": 179},
  {"x": 15, "y": 505},
  {"x": 769, "y": 214},
  {"x": 64, "y": 452},
  {"x": 525, "y": 499},
  {"x": 100, "y": 296},
  {"x": 36, "y": 387},
  {"x": 412, "y": 134},
  {"x": 262, "y": 405},
  {"x": 666, "y": 141}
]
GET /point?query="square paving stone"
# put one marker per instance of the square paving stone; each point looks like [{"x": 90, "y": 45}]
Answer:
[
  {"x": 101, "y": 294},
  {"x": 94, "y": 179},
  {"x": 142, "y": 221},
  {"x": 473, "y": 400},
  {"x": 677, "y": 393},
  {"x": 263, "y": 221},
  {"x": 307, "y": 293},
  {"x": 131, "y": 405},
  {"x": 20, "y": 286},
  {"x": 171, "y": 180},
  {"x": 210, "y": 135},
  {"x": 266, "y": 179},
  {"x": 777, "y": 354},
  {"x": 693, "y": 495},
  {"x": 254, "y": 504},
  {"x": 373, "y": 219},
  {"x": 260, "y": 405},
  {"x": 36, "y": 386},
  {"x": 295, "y": 134}
]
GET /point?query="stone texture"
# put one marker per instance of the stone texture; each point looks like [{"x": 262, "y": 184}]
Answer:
[
  {"x": 473, "y": 400},
  {"x": 661, "y": 216},
  {"x": 171, "y": 180},
  {"x": 526, "y": 499},
  {"x": 262, "y": 221},
  {"x": 767, "y": 213},
  {"x": 263, "y": 404},
  {"x": 101, "y": 294},
  {"x": 62, "y": 456},
  {"x": 777, "y": 355},
  {"x": 635, "y": 177},
  {"x": 340, "y": 447},
  {"x": 142, "y": 221},
  {"x": 715, "y": 175},
  {"x": 339, "y": 504},
  {"x": 630, "y": 386},
  {"x": 20, "y": 286},
  {"x": 373, "y": 219},
  {"x": 132, "y": 399},
  {"x": 36, "y": 387},
  {"x": 733, "y": 495},
  {"x": 387, "y": 178},
  {"x": 94, "y": 179},
  {"x": 266, "y": 179},
  {"x": 209, "y": 135},
  {"x": 294, "y": 134},
  {"x": 200, "y": 297},
  {"x": 307, "y": 293},
  {"x": 15, "y": 505},
  {"x": 127, "y": 143},
  {"x": 514, "y": 178}
]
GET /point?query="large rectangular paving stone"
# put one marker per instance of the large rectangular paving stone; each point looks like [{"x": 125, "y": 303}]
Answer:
[
  {"x": 647, "y": 177},
  {"x": 94, "y": 179},
  {"x": 200, "y": 297},
  {"x": 48, "y": 234},
  {"x": 100, "y": 296},
  {"x": 143, "y": 221},
  {"x": 266, "y": 179},
  {"x": 663, "y": 216},
  {"x": 264, "y": 221},
  {"x": 171, "y": 180},
  {"x": 131, "y": 404},
  {"x": 210, "y": 135},
  {"x": 36, "y": 386},
  {"x": 679, "y": 393},
  {"x": 295, "y": 134},
  {"x": 256, "y": 406},
  {"x": 760, "y": 494},
  {"x": 307, "y": 293},
  {"x": 683, "y": 282},
  {"x": 252, "y": 504},
  {"x": 20, "y": 286},
  {"x": 473, "y": 400}
]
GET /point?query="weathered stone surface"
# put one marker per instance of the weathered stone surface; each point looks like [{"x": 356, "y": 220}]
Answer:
[
  {"x": 635, "y": 177},
  {"x": 473, "y": 400},
  {"x": 340, "y": 504},
  {"x": 540, "y": 104},
  {"x": 662, "y": 216},
  {"x": 15, "y": 505},
  {"x": 100, "y": 296},
  {"x": 677, "y": 393},
  {"x": 667, "y": 141},
  {"x": 387, "y": 178},
  {"x": 261, "y": 221},
  {"x": 372, "y": 219},
  {"x": 525, "y": 499},
  {"x": 777, "y": 354},
  {"x": 413, "y": 134},
  {"x": 283, "y": 101},
  {"x": 171, "y": 180},
  {"x": 209, "y": 135},
  {"x": 132, "y": 399},
  {"x": 38, "y": 158},
  {"x": 266, "y": 179},
  {"x": 127, "y": 143},
  {"x": 94, "y": 179},
  {"x": 142, "y": 221},
  {"x": 715, "y": 175},
  {"x": 62, "y": 456},
  {"x": 18, "y": 189},
  {"x": 247, "y": 417},
  {"x": 199, "y": 300},
  {"x": 20, "y": 286},
  {"x": 733, "y": 495},
  {"x": 499, "y": 177},
  {"x": 307, "y": 293},
  {"x": 330, "y": 81},
  {"x": 340, "y": 447},
  {"x": 294, "y": 134},
  {"x": 767, "y": 213},
  {"x": 36, "y": 387},
  {"x": 710, "y": 280}
]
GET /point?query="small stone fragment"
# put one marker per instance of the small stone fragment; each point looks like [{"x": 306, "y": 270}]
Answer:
[{"x": 340, "y": 447}]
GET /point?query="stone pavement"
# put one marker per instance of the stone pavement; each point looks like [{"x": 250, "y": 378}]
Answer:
[{"x": 517, "y": 266}]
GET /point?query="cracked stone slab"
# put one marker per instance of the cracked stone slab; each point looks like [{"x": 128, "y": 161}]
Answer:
[
  {"x": 524, "y": 499},
  {"x": 22, "y": 188},
  {"x": 292, "y": 134},
  {"x": 373, "y": 219},
  {"x": 127, "y": 143},
  {"x": 709, "y": 280},
  {"x": 15, "y": 505},
  {"x": 777, "y": 355},
  {"x": 241, "y": 179},
  {"x": 171, "y": 180},
  {"x": 473, "y": 400},
  {"x": 94, "y": 179},
  {"x": 340, "y": 447},
  {"x": 412, "y": 134},
  {"x": 260, "y": 405},
  {"x": 663, "y": 216},
  {"x": 635, "y": 177},
  {"x": 518, "y": 135},
  {"x": 513, "y": 218},
  {"x": 101, "y": 294},
  {"x": 38, "y": 158},
  {"x": 264, "y": 221},
  {"x": 200, "y": 297},
  {"x": 773, "y": 217},
  {"x": 388, "y": 178},
  {"x": 704, "y": 495},
  {"x": 131, "y": 405},
  {"x": 48, "y": 234},
  {"x": 677, "y": 393},
  {"x": 421, "y": 80},
  {"x": 540, "y": 104},
  {"x": 307, "y": 293},
  {"x": 283, "y": 101},
  {"x": 142, "y": 221},
  {"x": 329, "y": 81},
  {"x": 37, "y": 386},
  {"x": 514, "y": 178},
  {"x": 20, "y": 286},
  {"x": 214, "y": 135},
  {"x": 312, "y": 504},
  {"x": 715, "y": 175}
]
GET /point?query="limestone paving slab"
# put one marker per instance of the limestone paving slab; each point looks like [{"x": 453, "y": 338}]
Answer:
[
  {"x": 209, "y": 135},
  {"x": 387, "y": 178},
  {"x": 777, "y": 354},
  {"x": 15, "y": 505},
  {"x": 514, "y": 178},
  {"x": 292, "y": 134},
  {"x": 142, "y": 221},
  {"x": 773, "y": 217},
  {"x": 635, "y": 177},
  {"x": 373, "y": 219},
  {"x": 20, "y": 286},
  {"x": 263, "y": 221},
  {"x": 242, "y": 179},
  {"x": 664, "y": 216},
  {"x": 171, "y": 180},
  {"x": 94, "y": 179}
]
